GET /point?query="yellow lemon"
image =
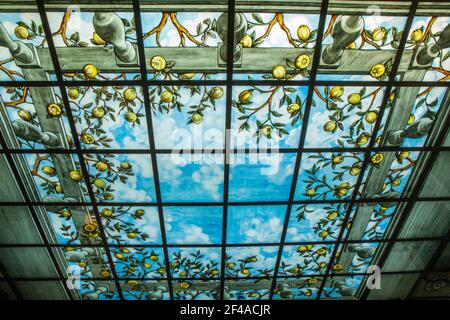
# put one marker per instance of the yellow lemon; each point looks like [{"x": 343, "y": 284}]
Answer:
[
  {"x": 119, "y": 256},
  {"x": 310, "y": 192},
  {"x": 158, "y": 63},
  {"x": 321, "y": 251},
  {"x": 231, "y": 265},
  {"x": 403, "y": 155},
  {"x": 354, "y": 98},
  {"x": 302, "y": 61},
  {"x": 58, "y": 188},
  {"x": 378, "y": 33},
  {"x": 97, "y": 40},
  {"x": 185, "y": 285},
  {"x": 340, "y": 192},
  {"x": 139, "y": 212},
  {"x": 90, "y": 71},
  {"x": 132, "y": 283},
  {"x": 278, "y": 72},
  {"x": 336, "y": 92},
  {"x": 125, "y": 250},
  {"x": 131, "y": 117},
  {"x": 253, "y": 259},
  {"x": 245, "y": 96},
  {"x": 293, "y": 108},
  {"x": 74, "y": 93},
  {"x": 337, "y": 267},
  {"x": 216, "y": 93},
  {"x": 197, "y": 118},
  {"x": 355, "y": 170},
  {"x": 344, "y": 185},
  {"x": 98, "y": 112},
  {"x": 377, "y": 158},
  {"x": 166, "y": 97},
  {"x": 377, "y": 70},
  {"x": 104, "y": 273},
  {"x": 54, "y": 110},
  {"x": 101, "y": 166},
  {"x": 303, "y": 32},
  {"x": 312, "y": 281},
  {"x": 330, "y": 126},
  {"x": 75, "y": 175},
  {"x": 371, "y": 117},
  {"x": 266, "y": 130},
  {"x": 147, "y": 265},
  {"x": 24, "y": 115},
  {"x": 188, "y": 75},
  {"x": 48, "y": 170},
  {"x": 106, "y": 212},
  {"x": 351, "y": 46},
  {"x": 245, "y": 271},
  {"x": 125, "y": 165},
  {"x": 129, "y": 94},
  {"x": 302, "y": 249},
  {"x": 396, "y": 182},
  {"x": 323, "y": 234},
  {"x": 337, "y": 159},
  {"x": 411, "y": 119},
  {"x": 66, "y": 214},
  {"x": 416, "y": 35},
  {"x": 131, "y": 235},
  {"x": 332, "y": 215},
  {"x": 90, "y": 227},
  {"x": 82, "y": 264},
  {"x": 21, "y": 32},
  {"x": 87, "y": 138},
  {"x": 362, "y": 139},
  {"x": 99, "y": 183},
  {"x": 246, "y": 41},
  {"x": 154, "y": 257}
]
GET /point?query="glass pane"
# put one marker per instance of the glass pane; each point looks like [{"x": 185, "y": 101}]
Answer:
[
  {"x": 267, "y": 117},
  {"x": 343, "y": 116},
  {"x": 195, "y": 262},
  {"x": 250, "y": 261},
  {"x": 121, "y": 177},
  {"x": 17, "y": 226},
  {"x": 437, "y": 183},
  {"x": 109, "y": 117},
  {"x": 251, "y": 289},
  {"x": 279, "y": 32},
  {"x": 316, "y": 222},
  {"x": 137, "y": 262},
  {"x": 188, "y": 117},
  {"x": 131, "y": 225},
  {"x": 427, "y": 219},
  {"x": 27, "y": 262},
  {"x": 255, "y": 224},
  {"x": 36, "y": 117},
  {"x": 305, "y": 259},
  {"x": 328, "y": 175},
  {"x": 259, "y": 177},
  {"x": 193, "y": 225},
  {"x": 191, "y": 178},
  {"x": 410, "y": 256}
]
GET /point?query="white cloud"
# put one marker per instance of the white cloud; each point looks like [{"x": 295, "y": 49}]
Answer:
[{"x": 193, "y": 234}]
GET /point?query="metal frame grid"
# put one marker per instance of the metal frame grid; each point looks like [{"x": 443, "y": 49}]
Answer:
[{"x": 229, "y": 83}]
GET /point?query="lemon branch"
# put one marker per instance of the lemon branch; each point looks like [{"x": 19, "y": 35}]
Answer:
[
  {"x": 427, "y": 31},
  {"x": 330, "y": 26},
  {"x": 37, "y": 163},
  {"x": 278, "y": 18},
  {"x": 23, "y": 99},
  {"x": 366, "y": 40},
  {"x": 444, "y": 78},
  {"x": 10, "y": 73},
  {"x": 409, "y": 165},
  {"x": 182, "y": 31},
  {"x": 61, "y": 30}
]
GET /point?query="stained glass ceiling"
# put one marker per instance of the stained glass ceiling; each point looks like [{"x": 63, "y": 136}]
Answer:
[{"x": 160, "y": 150}]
